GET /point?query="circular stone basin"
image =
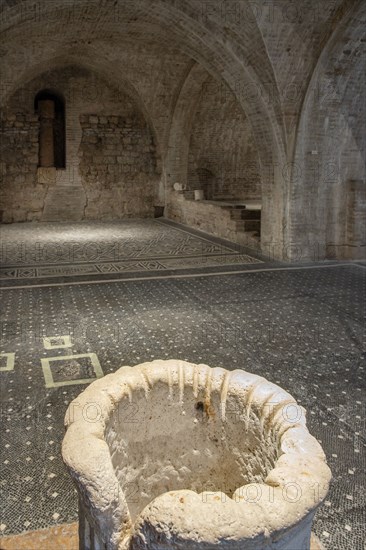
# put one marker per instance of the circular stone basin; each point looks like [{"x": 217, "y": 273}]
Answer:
[{"x": 174, "y": 455}]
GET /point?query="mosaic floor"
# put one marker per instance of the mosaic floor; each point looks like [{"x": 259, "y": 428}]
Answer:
[
  {"x": 47, "y": 250},
  {"x": 301, "y": 328}
]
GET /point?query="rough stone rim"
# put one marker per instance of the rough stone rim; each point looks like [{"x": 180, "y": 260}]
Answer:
[{"x": 302, "y": 459}]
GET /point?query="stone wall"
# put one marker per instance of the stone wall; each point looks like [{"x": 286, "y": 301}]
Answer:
[
  {"x": 112, "y": 168},
  {"x": 327, "y": 200},
  {"x": 18, "y": 167},
  {"x": 297, "y": 72},
  {"x": 223, "y": 159},
  {"x": 117, "y": 166},
  {"x": 212, "y": 218},
  {"x": 356, "y": 220}
]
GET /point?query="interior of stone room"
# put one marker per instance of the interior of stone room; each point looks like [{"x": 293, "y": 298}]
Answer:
[{"x": 183, "y": 216}]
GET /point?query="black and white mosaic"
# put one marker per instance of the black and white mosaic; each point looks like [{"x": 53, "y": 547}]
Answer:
[
  {"x": 125, "y": 267},
  {"x": 300, "y": 328},
  {"x": 51, "y": 250}
]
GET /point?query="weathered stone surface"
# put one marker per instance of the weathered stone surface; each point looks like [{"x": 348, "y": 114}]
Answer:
[
  {"x": 106, "y": 177},
  {"x": 223, "y": 158},
  {"x": 174, "y": 455},
  {"x": 248, "y": 98},
  {"x": 64, "y": 202},
  {"x": 212, "y": 218},
  {"x": 46, "y": 175}
]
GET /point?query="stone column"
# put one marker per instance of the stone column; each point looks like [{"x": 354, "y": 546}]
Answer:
[
  {"x": 46, "y": 147},
  {"x": 356, "y": 220}
]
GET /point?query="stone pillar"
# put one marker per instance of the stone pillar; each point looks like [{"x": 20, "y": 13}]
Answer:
[
  {"x": 356, "y": 220},
  {"x": 46, "y": 147}
]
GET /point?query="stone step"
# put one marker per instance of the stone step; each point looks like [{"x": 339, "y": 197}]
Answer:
[
  {"x": 253, "y": 234},
  {"x": 247, "y": 225},
  {"x": 223, "y": 197},
  {"x": 249, "y": 238},
  {"x": 244, "y": 214}
]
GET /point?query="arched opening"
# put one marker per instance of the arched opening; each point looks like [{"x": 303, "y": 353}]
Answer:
[
  {"x": 50, "y": 108},
  {"x": 328, "y": 195}
]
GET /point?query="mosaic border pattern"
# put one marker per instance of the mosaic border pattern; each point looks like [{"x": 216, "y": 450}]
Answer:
[{"x": 126, "y": 266}]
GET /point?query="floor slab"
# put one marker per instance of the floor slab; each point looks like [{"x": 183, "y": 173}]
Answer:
[{"x": 300, "y": 328}]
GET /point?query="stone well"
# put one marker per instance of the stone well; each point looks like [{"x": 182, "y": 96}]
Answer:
[{"x": 174, "y": 455}]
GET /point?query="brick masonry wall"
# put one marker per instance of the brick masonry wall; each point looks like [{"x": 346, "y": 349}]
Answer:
[{"x": 223, "y": 159}]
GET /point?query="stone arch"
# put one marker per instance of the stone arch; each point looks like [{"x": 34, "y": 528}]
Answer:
[
  {"x": 93, "y": 64},
  {"x": 98, "y": 131},
  {"x": 233, "y": 52},
  {"x": 271, "y": 161},
  {"x": 176, "y": 162},
  {"x": 329, "y": 159}
]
